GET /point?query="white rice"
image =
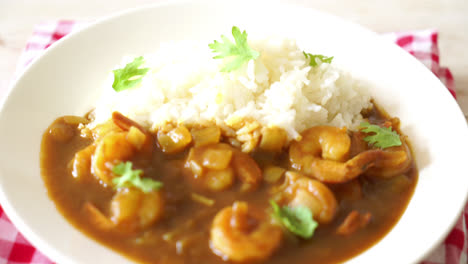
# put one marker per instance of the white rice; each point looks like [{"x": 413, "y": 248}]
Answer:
[{"x": 185, "y": 85}]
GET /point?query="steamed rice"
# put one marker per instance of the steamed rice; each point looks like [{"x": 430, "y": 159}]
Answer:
[{"x": 279, "y": 89}]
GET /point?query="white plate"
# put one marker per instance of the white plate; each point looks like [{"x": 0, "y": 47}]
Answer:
[{"x": 66, "y": 79}]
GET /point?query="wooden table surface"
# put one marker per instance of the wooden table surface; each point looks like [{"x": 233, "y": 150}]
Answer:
[{"x": 17, "y": 18}]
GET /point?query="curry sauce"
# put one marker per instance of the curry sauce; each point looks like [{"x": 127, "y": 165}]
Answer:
[{"x": 182, "y": 231}]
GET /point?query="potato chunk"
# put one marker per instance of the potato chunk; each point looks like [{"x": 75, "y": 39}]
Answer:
[
  {"x": 216, "y": 158},
  {"x": 219, "y": 180},
  {"x": 206, "y": 136},
  {"x": 273, "y": 139},
  {"x": 272, "y": 174},
  {"x": 175, "y": 140}
]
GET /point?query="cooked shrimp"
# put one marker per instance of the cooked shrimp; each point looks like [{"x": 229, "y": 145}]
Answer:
[
  {"x": 133, "y": 209},
  {"x": 138, "y": 136},
  {"x": 241, "y": 234},
  {"x": 323, "y": 154},
  {"x": 101, "y": 130},
  {"x": 124, "y": 122},
  {"x": 116, "y": 147},
  {"x": 247, "y": 171},
  {"x": 299, "y": 190},
  {"x": 110, "y": 151},
  {"x": 81, "y": 163},
  {"x": 118, "y": 123},
  {"x": 221, "y": 164},
  {"x": 393, "y": 161},
  {"x": 210, "y": 166}
]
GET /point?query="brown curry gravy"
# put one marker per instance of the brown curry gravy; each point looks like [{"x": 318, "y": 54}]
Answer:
[{"x": 189, "y": 221}]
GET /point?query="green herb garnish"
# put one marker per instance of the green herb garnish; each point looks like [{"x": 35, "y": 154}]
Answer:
[
  {"x": 313, "y": 61},
  {"x": 238, "y": 53},
  {"x": 130, "y": 76},
  {"x": 129, "y": 177},
  {"x": 298, "y": 220},
  {"x": 384, "y": 137}
]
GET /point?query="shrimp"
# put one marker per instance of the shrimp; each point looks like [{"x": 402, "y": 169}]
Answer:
[
  {"x": 247, "y": 171},
  {"x": 133, "y": 209},
  {"x": 323, "y": 153},
  {"x": 100, "y": 130},
  {"x": 117, "y": 146},
  {"x": 393, "y": 161},
  {"x": 240, "y": 234},
  {"x": 299, "y": 190},
  {"x": 81, "y": 163},
  {"x": 217, "y": 165},
  {"x": 110, "y": 150}
]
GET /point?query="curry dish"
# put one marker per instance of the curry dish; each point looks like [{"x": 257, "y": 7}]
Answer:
[{"x": 190, "y": 195}]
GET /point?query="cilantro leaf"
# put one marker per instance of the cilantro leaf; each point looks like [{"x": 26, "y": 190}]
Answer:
[
  {"x": 298, "y": 220},
  {"x": 384, "y": 137},
  {"x": 313, "y": 58},
  {"x": 237, "y": 54},
  {"x": 129, "y": 177},
  {"x": 129, "y": 76}
]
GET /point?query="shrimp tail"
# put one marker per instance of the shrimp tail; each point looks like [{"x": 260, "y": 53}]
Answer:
[
  {"x": 125, "y": 123},
  {"x": 392, "y": 163}
]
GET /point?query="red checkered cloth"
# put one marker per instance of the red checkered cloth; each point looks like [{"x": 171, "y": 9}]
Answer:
[{"x": 422, "y": 44}]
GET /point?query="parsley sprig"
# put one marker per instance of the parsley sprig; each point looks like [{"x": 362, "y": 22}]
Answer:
[
  {"x": 129, "y": 76},
  {"x": 237, "y": 53},
  {"x": 313, "y": 58},
  {"x": 383, "y": 137},
  {"x": 131, "y": 178},
  {"x": 298, "y": 220}
]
